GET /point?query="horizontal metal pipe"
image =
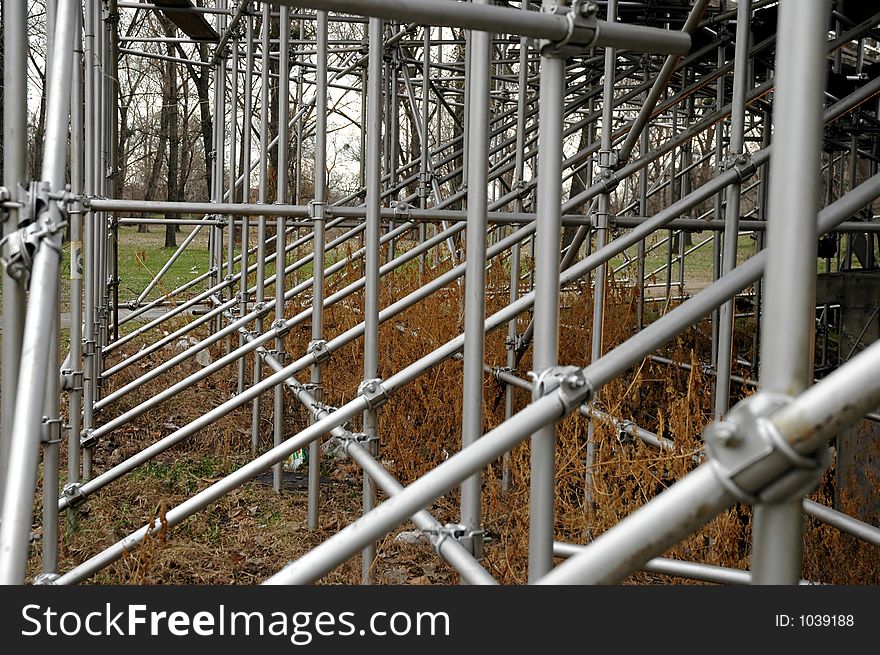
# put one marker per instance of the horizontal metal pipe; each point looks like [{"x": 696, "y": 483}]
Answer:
[
  {"x": 167, "y": 221},
  {"x": 115, "y": 205},
  {"x": 843, "y": 522},
  {"x": 489, "y": 18},
  {"x": 184, "y": 10},
  {"x": 673, "y": 567}
]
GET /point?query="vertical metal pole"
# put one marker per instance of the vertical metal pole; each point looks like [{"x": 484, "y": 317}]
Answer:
[
  {"x": 685, "y": 182},
  {"x": 15, "y": 63},
  {"x": 112, "y": 77},
  {"x": 318, "y": 268},
  {"x": 790, "y": 276},
  {"x": 644, "y": 145},
  {"x": 280, "y": 226},
  {"x": 515, "y": 259},
  {"x": 297, "y": 163},
  {"x": 247, "y": 118},
  {"x": 719, "y": 198},
  {"x": 394, "y": 150},
  {"x": 90, "y": 286},
  {"x": 601, "y": 238},
  {"x": 261, "y": 219},
  {"x": 546, "y": 315},
  {"x": 478, "y": 78},
  {"x": 298, "y": 129},
  {"x": 219, "y": 160},
  {"x": 760, "y": 238},
  {"x": 35, "y": 366},
  {"x": 51, "y": 433},
  {"x": 99, "y": 112},
  {"x": 466, "y": 114},
  {"x": 670, "y": 191},
  {"x": 51, "y": 444},
  {"x": 424, "y": 160},
  {"x": 373, "y": 174},
  {"x": 852, "y": 173},
  {"x": 741, "y": 82},
  {"x": 233, "y": 169},
  {"x": 75, "y": 392}
]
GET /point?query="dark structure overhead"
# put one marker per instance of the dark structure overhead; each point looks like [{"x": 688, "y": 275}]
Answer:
[{"x": 190, "y": 23}]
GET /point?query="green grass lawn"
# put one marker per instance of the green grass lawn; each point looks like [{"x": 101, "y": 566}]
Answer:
[{"x": 697, "y": 264}]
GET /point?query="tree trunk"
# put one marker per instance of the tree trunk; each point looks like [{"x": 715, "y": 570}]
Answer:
[
  {"x": 578, "y": 185},
  {"x": 36, "y": 158},
  {"x": 150, "y": 191}
]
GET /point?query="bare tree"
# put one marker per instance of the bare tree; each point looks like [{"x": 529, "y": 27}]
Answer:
[{"x": 172, "y": 100}]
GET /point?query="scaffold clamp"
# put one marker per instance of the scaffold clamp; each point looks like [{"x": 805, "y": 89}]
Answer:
[
  {"x": 583, "y": 29},
  {"x": 456, "y": 531},
  {"x": 568, "y": 382},
  {"x": 73, "y": 494},
  {"x": 281, "y": 328},
  {"x": 746, "y": 436},
  {"x": 624, "y": 432},
  {"x": 46, "y": 219},
  {"x": 71, "y": 380},
  {"x": 88, "y": 439},
  {"x": 50, "y": 431},
  {"x": 373, "y": 392},
  {"x": 742, "y": 163},
  {"x": 318, "y": 350},
  {"x": 44, "y": 579},
  {"x": 401, "y": 210},
  {"x": 317, "y": 210}
]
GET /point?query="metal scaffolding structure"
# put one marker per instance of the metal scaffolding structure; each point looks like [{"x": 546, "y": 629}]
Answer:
[{"x": 560, "y": 138}]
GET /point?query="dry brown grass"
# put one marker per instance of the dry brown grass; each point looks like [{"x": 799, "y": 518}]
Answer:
[{"x": 252, "y": 532}]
